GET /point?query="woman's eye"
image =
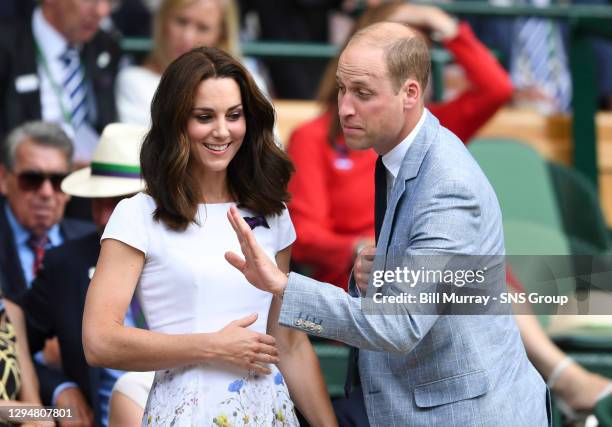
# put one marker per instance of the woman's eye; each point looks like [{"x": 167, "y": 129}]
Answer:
[
  {"x": 235, "y": 116},
  {"x": 203, "y": 118}
]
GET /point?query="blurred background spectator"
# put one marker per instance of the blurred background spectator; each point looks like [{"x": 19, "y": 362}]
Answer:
[
  {"x": 295, "y": 21},
  {"x": 18, "y": 380},
  {"x": 535, "y": 50},
  {"x": 58, "y": 66},
  {"x": 55, "y": 303},
  {"x": 179, "y": 26},
  {"x": 34, "y": 159}
]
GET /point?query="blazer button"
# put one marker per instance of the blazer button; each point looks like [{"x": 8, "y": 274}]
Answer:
[
  {"x": 298, "y": 322},
  {"x": 318, "y": 329}
]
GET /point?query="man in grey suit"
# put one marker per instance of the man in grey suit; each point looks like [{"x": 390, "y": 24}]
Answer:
[{"x": 422, "y": 370}]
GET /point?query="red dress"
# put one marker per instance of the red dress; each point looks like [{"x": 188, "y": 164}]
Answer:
[{"x": 332, "y": 190}]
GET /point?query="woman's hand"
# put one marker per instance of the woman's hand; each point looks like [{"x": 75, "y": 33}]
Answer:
[
  {"x": 257, "y": 267},
  {"x": 240, "y": 346}
]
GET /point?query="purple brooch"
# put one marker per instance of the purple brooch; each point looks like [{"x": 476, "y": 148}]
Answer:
[{"x": 256, "y": 221}]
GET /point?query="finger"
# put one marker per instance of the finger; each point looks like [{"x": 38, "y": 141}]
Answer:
[
  {"x": 257, "y": 368},
  {"x": 242, "y": 230},
  {"x": 269, "y": 350},
  {"x": 266, "y": 359},
  {"x": 230, "y": 217},
  {"x": 235, "y": 260},
  {"x": 266, "y": 339},
  {"x": 251, "y": 248},
  {"x": 240, "y": 224},
  {"x": 246, "y": 321}
]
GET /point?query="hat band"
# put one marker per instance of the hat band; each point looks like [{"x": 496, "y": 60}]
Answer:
[{"x": 115, "y": 170}]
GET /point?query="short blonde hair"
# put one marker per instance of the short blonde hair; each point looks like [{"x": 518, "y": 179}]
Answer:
[
  {"x": 406, "y": 55},
  {"x": 228, "y": 41}
]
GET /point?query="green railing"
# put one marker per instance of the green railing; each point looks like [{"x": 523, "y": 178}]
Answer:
[{"x": 584, "y": 21}]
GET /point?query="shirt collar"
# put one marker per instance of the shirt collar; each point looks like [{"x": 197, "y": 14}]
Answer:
[
  {"x": 22, "y": 235},
  {"x": 49, "y": 40},
  {"x": 393, "y": 159}
]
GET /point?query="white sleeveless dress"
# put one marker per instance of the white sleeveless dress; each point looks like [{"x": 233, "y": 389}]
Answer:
[{"x": 187, "y": 286}]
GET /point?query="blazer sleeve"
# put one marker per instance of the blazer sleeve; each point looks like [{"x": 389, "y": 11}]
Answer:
[
  {"x": 448, "y": 220},
  {"x": 37, "y": 306},
  {"x": 49, "y": 380}
]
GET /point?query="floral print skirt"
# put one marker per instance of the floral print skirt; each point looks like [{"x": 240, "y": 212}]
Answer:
[{"x": 204, "y": 396}]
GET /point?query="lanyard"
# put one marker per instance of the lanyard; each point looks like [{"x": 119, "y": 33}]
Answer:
[{"x": 56, "y": 88}]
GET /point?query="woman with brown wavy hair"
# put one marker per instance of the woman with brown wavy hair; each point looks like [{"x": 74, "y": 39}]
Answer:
[{"x": 210, "y": 147}]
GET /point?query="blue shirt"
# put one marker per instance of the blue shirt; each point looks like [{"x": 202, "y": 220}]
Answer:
[{"x": 25, "y": 253}]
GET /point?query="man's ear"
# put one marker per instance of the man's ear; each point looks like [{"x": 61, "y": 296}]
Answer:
[
  {"x": 411, "y": 91},
  {"x": 3, "y": 176}
]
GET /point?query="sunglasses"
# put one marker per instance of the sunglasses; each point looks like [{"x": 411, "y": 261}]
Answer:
[{"x": 32, "y": 181}]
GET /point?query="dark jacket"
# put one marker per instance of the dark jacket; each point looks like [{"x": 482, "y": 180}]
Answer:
[
  {"x": 14, "y": 285},
  {"x": 54, "y": 307},
  {"x": 18, "y": 58}
]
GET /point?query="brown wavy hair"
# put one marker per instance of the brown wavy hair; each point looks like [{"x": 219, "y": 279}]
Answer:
[{"x": 258, "y": 174}]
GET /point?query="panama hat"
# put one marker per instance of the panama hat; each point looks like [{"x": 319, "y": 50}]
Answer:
[{"x": 115, "y": 165}]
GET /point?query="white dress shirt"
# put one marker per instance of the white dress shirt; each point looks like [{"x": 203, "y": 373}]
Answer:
[
  {"x": 393, "y": 159},
  {"x": 52, "y": 45}
]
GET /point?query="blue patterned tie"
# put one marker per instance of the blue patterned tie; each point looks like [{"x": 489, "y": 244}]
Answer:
[
  {"x": 539, "y": 59},
  {"x": 74, "y": 85}
]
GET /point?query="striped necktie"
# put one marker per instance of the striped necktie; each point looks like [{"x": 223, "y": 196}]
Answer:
[
  {"x": 38, "y": 245},
  {"x": 539, "y": 59},
  {"x": 74, "y": 85}
]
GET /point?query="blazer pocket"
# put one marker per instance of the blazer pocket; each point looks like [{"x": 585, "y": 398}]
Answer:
[{"x": 451, "y": 389}]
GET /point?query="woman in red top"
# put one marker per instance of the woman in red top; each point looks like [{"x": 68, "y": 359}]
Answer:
[{"x": 333, "y": 187}]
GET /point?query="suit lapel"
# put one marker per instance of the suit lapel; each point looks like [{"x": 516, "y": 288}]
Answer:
[
  {"x": 27, "y": 65},
  {"x": 9, "y": 259},
  {"x": 405, "y": 179}
]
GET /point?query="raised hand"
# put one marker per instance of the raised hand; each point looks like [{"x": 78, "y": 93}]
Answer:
[
  {"x": 430, "y": 19},
  {"x": 256, "y": 266}
]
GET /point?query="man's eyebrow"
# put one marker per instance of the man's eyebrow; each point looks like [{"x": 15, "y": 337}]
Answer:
[{"x": 355, "y": 82}]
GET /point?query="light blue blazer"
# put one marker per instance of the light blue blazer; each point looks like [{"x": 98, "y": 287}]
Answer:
[{"x": 430, "y": 370}]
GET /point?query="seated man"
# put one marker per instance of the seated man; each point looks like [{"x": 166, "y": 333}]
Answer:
[
  {"x": 64, "y": 279},
  {"x": 33, "y": 161}
]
